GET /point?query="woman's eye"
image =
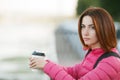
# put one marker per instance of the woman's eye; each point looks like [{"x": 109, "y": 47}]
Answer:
[
  {"x": 82, "y": 26},
  {"x": 92, "y": 27}
]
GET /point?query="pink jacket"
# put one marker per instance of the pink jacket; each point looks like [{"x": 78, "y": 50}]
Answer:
[{"x": 107, "y": 68}]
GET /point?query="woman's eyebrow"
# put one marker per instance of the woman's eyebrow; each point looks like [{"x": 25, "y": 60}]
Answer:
[{"x": 91, "y": 25}]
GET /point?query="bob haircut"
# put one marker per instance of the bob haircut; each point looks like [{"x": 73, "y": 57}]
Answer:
[{"x": 104, "y": 27}]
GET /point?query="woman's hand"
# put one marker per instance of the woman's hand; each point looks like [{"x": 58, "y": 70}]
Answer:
[{"x": 37, "y": 63}]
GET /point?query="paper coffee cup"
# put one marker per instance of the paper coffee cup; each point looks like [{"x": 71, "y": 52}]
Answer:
[{"x": 37, "y": 55}]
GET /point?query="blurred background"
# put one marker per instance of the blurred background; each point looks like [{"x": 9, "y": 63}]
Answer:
[{"x": 48, "y": 26}]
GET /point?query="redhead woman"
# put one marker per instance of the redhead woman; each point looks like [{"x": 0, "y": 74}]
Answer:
[{"x": 97, "y": 33}]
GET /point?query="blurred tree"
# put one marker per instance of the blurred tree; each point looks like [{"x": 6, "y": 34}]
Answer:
[
  {"x": 112, "y": 6},
  {"x": 83, "y": 4}
]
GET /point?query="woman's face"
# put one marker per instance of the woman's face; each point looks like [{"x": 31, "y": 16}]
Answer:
[{"x": 88, "y": 33}]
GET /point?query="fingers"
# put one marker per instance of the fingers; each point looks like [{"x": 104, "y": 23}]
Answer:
[
  {"x": 32, "y": 63},
  {"x": 37, "y": 63}
]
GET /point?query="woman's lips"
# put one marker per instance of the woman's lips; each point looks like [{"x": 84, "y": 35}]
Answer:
[{"x": 86, "y": 39}]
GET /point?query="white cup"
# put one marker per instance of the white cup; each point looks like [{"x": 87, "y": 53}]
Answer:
[{"x": 36, "y": 54}]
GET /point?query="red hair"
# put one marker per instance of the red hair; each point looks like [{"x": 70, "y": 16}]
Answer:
[{"x": 104, "y": 27}]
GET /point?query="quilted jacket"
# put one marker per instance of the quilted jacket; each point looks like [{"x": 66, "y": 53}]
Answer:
[{"x": 107, "y": 69}]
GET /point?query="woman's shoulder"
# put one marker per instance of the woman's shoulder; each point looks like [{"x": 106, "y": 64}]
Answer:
[
  {"x": 112, "y": 58},
  {"x": 110, "y": 62},
  {"x": 110, "y": 67}
]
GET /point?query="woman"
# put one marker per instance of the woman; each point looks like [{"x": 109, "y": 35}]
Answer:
[{"x": 97, "y": 34}]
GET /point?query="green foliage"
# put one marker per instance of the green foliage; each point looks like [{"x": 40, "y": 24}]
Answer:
[
  {"x": 83, "y": 4},
  {"x": 112, "y": 6}
]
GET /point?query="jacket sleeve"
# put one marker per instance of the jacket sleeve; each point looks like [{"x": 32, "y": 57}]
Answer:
[
  {"x": 105, "y": 70},
  {"x": 57, "y": 72}
]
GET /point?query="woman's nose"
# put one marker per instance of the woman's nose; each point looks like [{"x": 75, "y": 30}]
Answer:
[{"x": 85, "y": 32}]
